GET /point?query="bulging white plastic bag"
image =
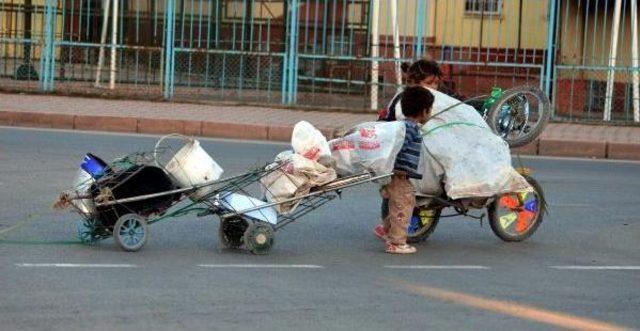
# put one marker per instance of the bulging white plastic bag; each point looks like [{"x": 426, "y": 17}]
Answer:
[
  {"x": 309, "y": 142},
  {"x": 371, "y": 146},
  {"x": 460, "y": 150}
]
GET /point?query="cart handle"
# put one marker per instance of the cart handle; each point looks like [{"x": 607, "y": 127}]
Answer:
[
  {"x": 160, "y": 194},
  {"x": 336, "y": 188}
]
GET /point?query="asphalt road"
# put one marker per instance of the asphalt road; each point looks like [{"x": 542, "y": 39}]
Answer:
[{"x": 580, "y": 270}]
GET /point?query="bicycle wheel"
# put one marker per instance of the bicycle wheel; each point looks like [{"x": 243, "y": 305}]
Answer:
[
  {"x": 516, "y": 216},
  {"x": 520, "y": 115}
]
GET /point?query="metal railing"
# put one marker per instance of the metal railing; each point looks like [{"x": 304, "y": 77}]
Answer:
[{"x": 324, "y": 53}]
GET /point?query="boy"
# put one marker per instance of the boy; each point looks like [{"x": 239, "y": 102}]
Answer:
[{"x": 416, "y": 105}]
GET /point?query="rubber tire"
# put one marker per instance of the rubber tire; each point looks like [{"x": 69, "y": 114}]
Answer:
[
  {"x": 232, "y": 239},
  {"x": 545, "y": 114},
  {"x": 119, "y": 240},
  {"x": 384, "y": 212},
  {"x": 494, "y": 221},
  {"x": 253, "y": 235}
]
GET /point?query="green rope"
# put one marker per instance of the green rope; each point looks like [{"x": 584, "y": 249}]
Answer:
[
  {"x": 458, "y": 104},
  {"x": 40, "y": 242}
]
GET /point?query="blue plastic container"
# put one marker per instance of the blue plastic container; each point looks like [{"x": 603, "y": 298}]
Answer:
[{"x": 93, "y": 165}]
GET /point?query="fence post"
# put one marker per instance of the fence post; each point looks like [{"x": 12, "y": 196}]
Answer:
[
  {"x": 169, "y": 53},
  {"x": 421, "y": 21},
  {"x": 551, "y": 46},
  {"x": 290, "y": 62},
  {"x": 375, "y": 47},
  {"x": 47, "y": 56}
]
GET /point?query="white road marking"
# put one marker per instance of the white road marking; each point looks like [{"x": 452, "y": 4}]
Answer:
[
  {"x": 74, "y": 265},
  {"x": 439, "y": 267},
  {"x": 601, "y": 267},
  {"x": 273, "y": 266}
]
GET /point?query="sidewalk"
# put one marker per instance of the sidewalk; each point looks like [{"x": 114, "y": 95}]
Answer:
[{"x": 262, "y": 123}]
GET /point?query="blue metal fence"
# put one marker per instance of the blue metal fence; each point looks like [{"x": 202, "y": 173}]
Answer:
[{"x": 319, "y": 52}]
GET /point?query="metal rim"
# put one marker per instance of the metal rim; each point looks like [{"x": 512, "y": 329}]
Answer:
[
  {"x": 514, "y": 116},
  {"x": 130, "y": 232}
]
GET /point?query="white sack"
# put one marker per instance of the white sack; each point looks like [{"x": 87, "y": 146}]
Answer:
[
  {"x": 309, "y": 142},
  {"x": 371, "y": 146},
  {"x": 460, "y": 149},
  {"x": 295, "y": 177}
]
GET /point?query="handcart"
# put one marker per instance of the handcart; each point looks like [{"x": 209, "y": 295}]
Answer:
[
  {"x": 255, "y": 229},
  {"x": 122, "y": 204}
]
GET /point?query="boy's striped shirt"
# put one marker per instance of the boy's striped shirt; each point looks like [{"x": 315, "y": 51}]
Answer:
[{"x": 408, "y": 158}]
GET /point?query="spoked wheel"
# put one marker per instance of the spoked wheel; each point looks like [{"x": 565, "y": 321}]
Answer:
[
  {"x": 130, "y": 232},
  {"x": 258, "y": 238},
  {"x": 520, "y": 115},
  {"x": 423, "y": 222},
  {"x": 516, "y": 216},
  {"x": 231, "y": 231}
]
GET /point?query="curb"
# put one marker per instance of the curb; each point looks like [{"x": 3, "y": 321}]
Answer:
[
  {"x": 546, "y": 147},
  {"x": 152, "y": 126}
]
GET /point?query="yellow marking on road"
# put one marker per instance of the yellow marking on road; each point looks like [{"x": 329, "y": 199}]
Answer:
[
  {"x": 17, "y": 225},
  {"x": 527, "y": 312}
]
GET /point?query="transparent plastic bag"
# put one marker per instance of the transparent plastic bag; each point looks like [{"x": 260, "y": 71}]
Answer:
[{"x": 371, "y": 146}]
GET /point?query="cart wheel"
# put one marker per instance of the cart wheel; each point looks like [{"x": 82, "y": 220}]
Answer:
[
  {"x": 231, "y": 231},
  {"x": 130, "y": 232},
  {"x": 258, "y": 238}
]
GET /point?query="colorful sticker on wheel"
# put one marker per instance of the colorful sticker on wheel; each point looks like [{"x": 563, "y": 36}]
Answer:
[
  {"x": 508, "y": 219},
  {"x": 524, "y": 220}
]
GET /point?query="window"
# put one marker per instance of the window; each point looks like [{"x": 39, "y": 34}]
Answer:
[{"x": 486, "y": 7}]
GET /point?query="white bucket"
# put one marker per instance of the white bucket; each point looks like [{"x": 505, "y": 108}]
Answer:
[{"x": 193, "y": 166}]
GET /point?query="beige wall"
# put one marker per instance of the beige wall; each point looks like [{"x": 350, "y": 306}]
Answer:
[
  {"x": 455, "y": 27},
  {"x": 11, "y": 26},
  {"x": 447, "y": 21}
]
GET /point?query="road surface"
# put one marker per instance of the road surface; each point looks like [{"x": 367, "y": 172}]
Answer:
[{"x": 580, "y": 270}]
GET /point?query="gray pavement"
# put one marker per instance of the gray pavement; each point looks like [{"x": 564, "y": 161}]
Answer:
[{"x": 592, "y": 222}]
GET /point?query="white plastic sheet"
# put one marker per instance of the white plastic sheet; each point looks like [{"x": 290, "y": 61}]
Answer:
[
  {"x": 371, "y": 146},
  {"x": 461, "y": 151},
  {"x": 239, "y": 202}
]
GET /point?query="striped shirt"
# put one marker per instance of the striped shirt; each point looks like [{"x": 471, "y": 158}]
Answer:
[{"x": 409, "y": 156}]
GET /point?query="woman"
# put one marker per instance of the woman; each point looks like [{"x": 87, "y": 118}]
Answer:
[{"x": 425, "y": 73}]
